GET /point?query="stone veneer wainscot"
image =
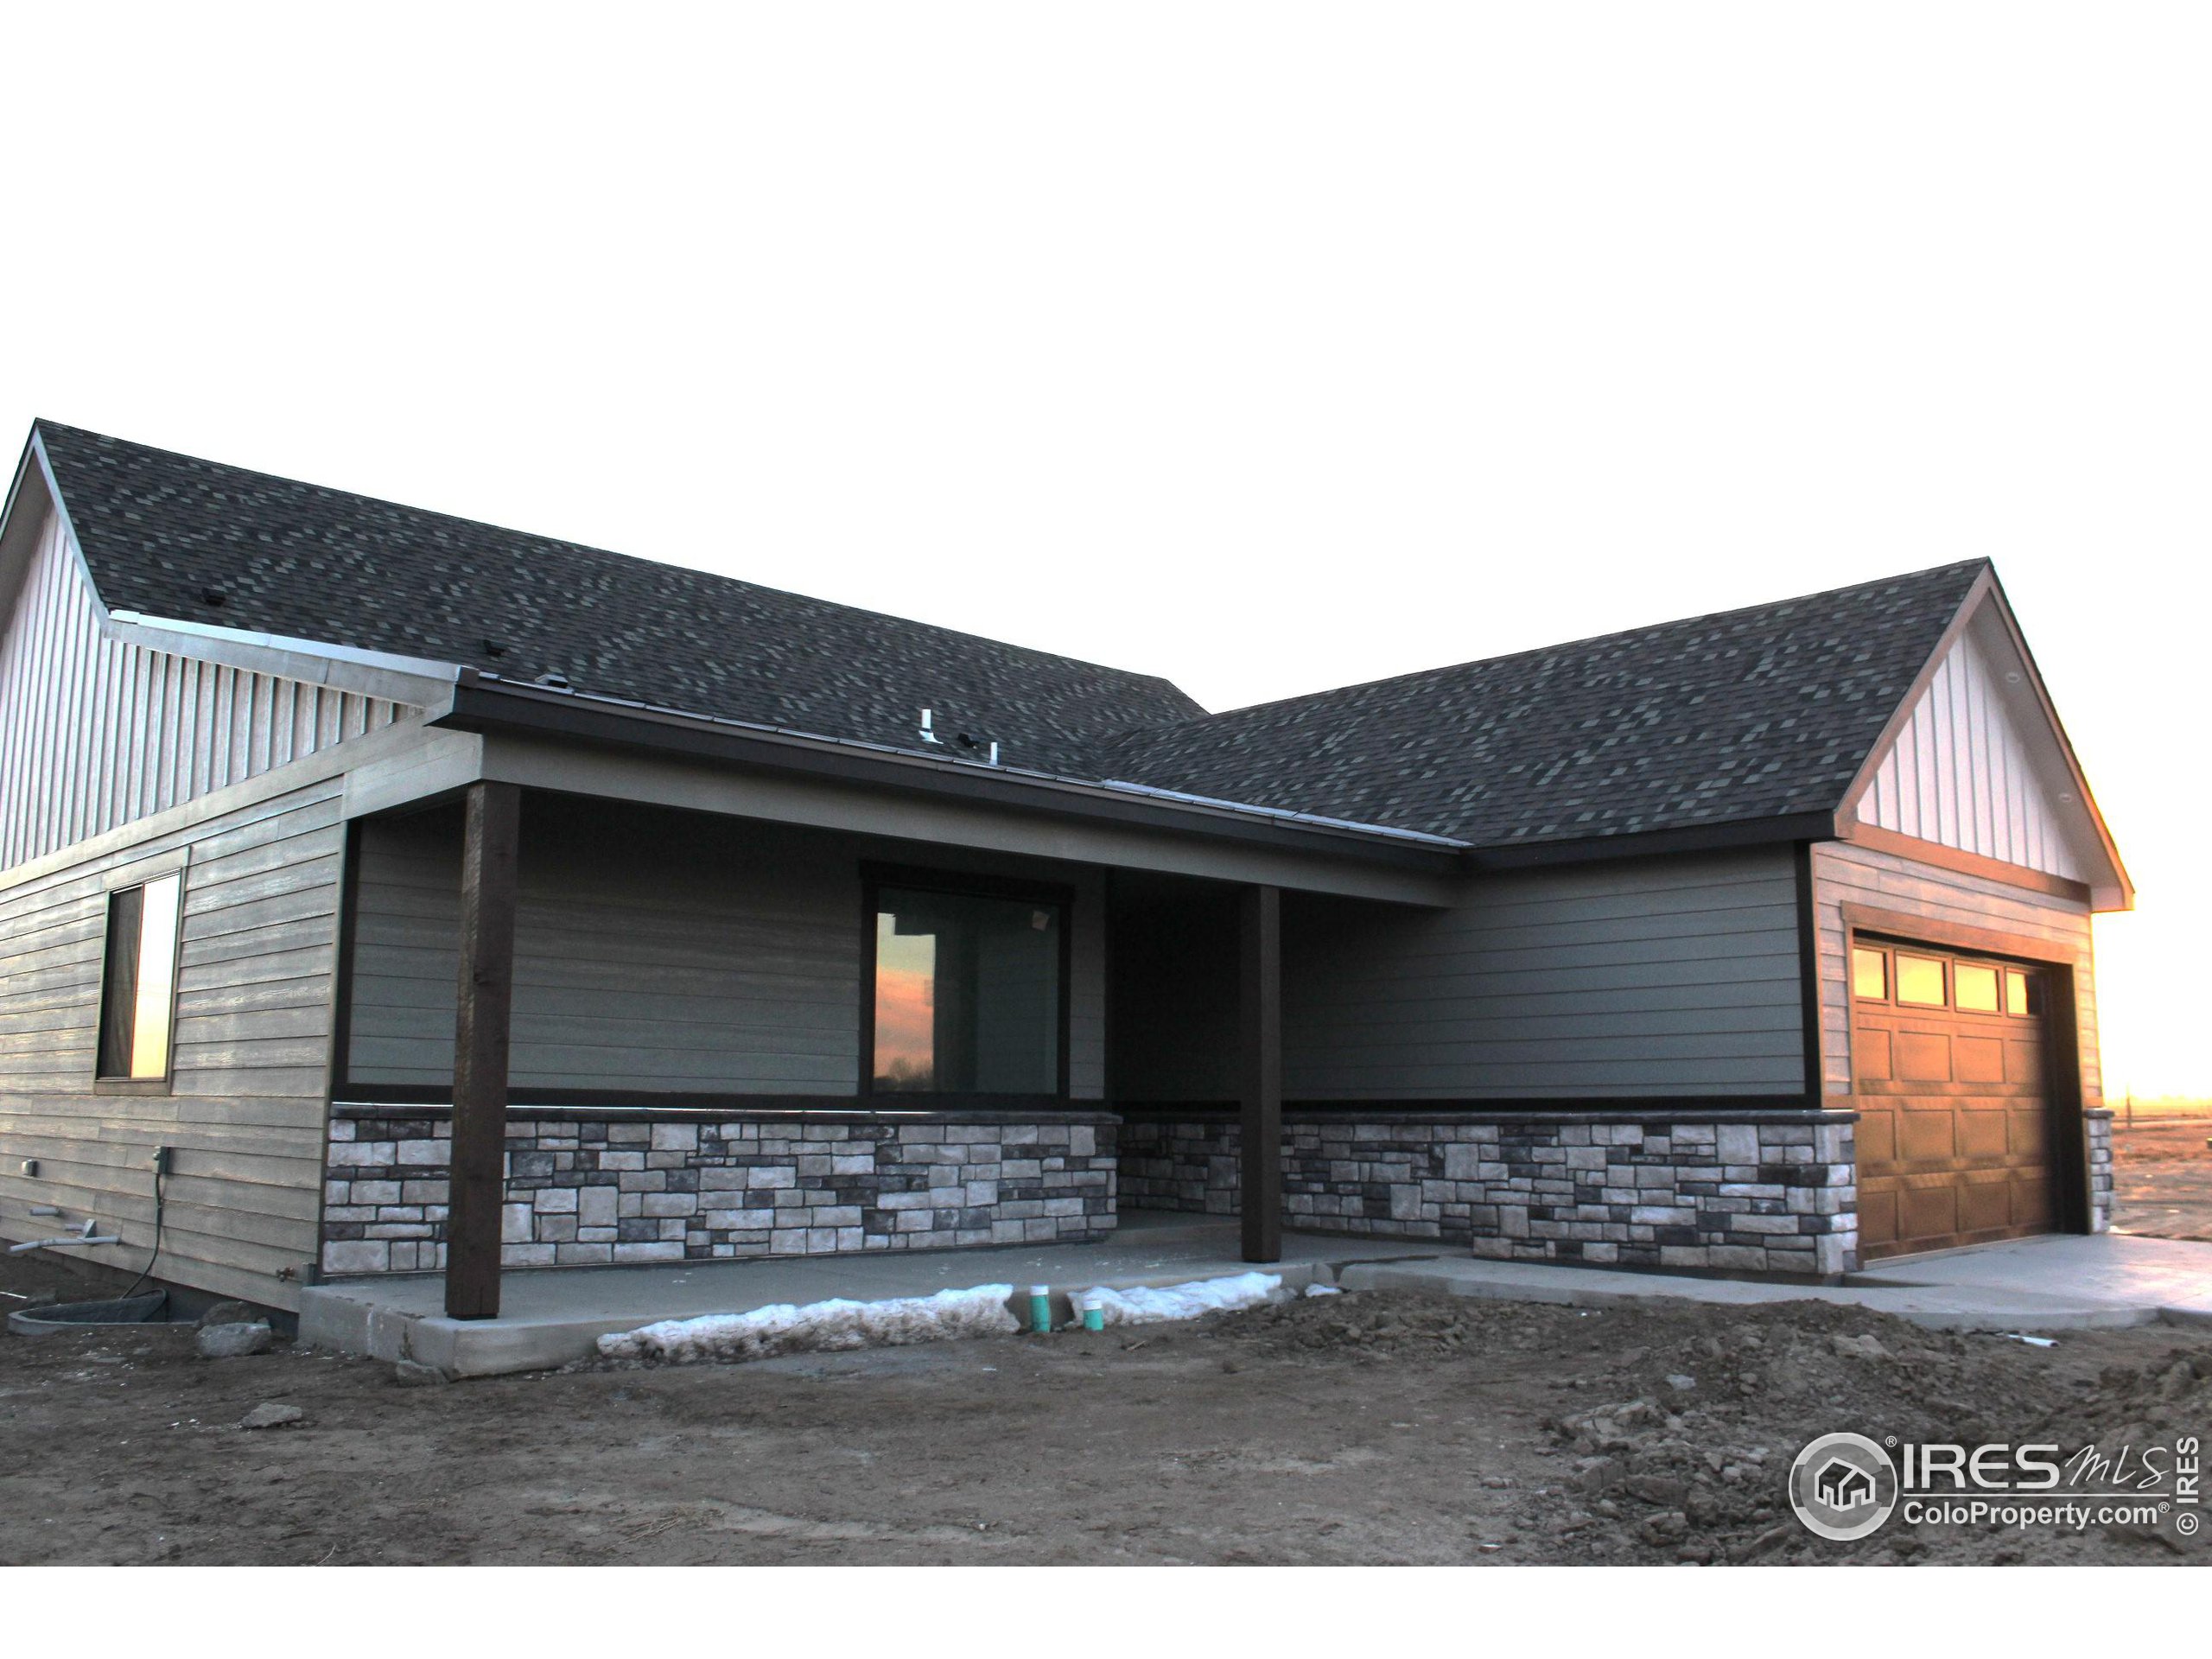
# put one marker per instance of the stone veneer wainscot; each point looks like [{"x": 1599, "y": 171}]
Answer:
[
  {"x": 587, "y": 1188},
  {"x": 1764, "y": 1191}
]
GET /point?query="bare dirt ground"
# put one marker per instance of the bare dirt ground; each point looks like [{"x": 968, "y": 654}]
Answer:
[
  {"x": 1381, "y": 1427},
  {"x": 2162, "y": 1179}
]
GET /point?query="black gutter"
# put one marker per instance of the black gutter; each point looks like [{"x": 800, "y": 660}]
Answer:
[
  {"x": 1654, "y": 843},
  {"x": 480, "y": 705}
]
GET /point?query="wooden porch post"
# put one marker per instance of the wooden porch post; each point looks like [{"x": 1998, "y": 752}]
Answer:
[
  {"x": 1259, "y": 1070},
  {"x": 485, "y": 999}
]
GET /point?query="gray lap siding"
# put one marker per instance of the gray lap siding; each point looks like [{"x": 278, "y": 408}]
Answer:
[
  {"x": 654, "y": 953},
  {"x": 1676, "y": 976},
  {"x": 245, "y": 1110}
]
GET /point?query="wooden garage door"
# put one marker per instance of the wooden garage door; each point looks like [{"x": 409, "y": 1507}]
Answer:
[{"x": 1957, "y": 1138}]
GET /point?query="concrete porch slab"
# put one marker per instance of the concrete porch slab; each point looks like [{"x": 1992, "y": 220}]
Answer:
[
  {"x": 549, "y": 1317},
  {"x": 2036, "y": 1284}
]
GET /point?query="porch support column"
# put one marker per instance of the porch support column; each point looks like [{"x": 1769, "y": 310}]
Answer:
[
  {"x": 485, "y": 1001},
  {"x": 1259, "y": 1070}
]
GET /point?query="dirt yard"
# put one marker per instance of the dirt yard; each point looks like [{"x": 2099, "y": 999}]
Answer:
[
  {"x": 1381, "y": 1427},
  {"x": 2163, "y": 1179}
]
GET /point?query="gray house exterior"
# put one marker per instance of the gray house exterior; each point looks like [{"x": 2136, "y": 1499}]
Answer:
[{"x": 436, "y": 898}]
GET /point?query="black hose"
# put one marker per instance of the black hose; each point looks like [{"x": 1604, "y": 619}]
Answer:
[{"x": 161, "y": 1174}]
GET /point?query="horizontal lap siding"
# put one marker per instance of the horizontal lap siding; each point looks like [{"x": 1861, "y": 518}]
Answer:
[
  {"x": 1652, "y": 977},
  {"x": 652, "y": 952},
  {"x": 709, "y": 957},
  {"x": 95, "y": 733},
  {"x": 1845, "y": 873},
  {"x": 245, "y": 1113}
]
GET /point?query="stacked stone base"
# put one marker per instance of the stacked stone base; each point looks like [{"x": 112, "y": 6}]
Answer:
[
  {"x": 588, "y": 1189},
  {"x": 1759, "y": 1192},
  {"x": 2096, "y": 1125}
]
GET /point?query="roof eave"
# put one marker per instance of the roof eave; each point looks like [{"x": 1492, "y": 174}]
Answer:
[
  {"x": 479, "y": 702},
  {"x": 1780, "y": 830},
  {"x": 2118, "y": 892}
]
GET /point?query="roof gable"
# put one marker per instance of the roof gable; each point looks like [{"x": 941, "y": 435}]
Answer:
[
  {"x": 160, "y": 532},
  {"x": 100, "y": 726},
  {"x": 1757, "y": 714},
  {"x": 1975, "y": 761}
]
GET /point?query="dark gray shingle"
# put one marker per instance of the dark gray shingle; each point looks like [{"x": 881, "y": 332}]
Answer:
[
  {"x": 160, "y": 530},
  {"x": 1755, "y": 714}
]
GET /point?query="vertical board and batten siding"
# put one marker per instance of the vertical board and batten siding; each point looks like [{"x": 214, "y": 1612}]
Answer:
[
  {"x": 1846, "y": 873},
  {"x": 1665, "y": 976},
  {"x": 95, "y": 733},
  {"x": 1963, "y": 773},
  {"x": 246, "y": 1112},
  {"x": 654, "y": 951}
]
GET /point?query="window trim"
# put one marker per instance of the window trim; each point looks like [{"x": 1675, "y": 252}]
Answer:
[
  {"x": 1889, "y": 973},
  {"x": 1996, "y": 967},
  {"x": 1943, "y": 964},
  {"x": 123, "y": 879},
  {"x": 874, "y": 877}
]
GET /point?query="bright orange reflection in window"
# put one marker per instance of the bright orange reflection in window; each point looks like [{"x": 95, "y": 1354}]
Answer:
[
  {"x": 906, "y": 1007},
  {"x": 150, "y": 1032}
]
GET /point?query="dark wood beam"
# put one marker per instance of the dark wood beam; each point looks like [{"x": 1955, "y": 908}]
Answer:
[
  {"x": 484, "y": 1003},
  {"x": 1259, "y": 1070}
]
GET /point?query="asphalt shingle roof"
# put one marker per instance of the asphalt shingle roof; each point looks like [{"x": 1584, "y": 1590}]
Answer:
[
  {"x": 160, "y": 531},
  {"x": 1755, "y": 714}
]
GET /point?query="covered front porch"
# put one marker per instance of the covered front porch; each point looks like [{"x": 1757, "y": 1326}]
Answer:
[
  {"x": 548, "y": 1319},
  {"x": 583, "y": 1029}
]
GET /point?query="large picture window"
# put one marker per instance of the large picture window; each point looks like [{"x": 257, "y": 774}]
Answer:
[
  {"x": 138, "y": 982},
  {"x": 968, "y": 992}
]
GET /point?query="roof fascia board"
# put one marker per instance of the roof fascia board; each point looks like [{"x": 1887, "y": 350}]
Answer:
[
  {"x": 32, "y": 493},
  {"x": 2117, "y": 893},
  {"x": 1656, "y": 844},
  {"x": 2119, "y": 890},
  {"x": 370, "y": 673},
  {"x": 479, "y": 705},
  {"x": 1846, "y": 810},
  {"x": 415, "y": 680}
]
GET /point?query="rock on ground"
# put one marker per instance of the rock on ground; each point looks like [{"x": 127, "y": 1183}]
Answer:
[{"x": 234, "y": 1341}]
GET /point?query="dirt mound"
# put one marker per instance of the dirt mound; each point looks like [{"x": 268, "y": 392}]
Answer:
[
  {"x": 1693, "y": 1445},
  {"x": 1366, "y": 1326},
  {"x": 1675, "y": 1423}
]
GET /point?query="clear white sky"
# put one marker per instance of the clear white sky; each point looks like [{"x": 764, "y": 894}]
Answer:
[{"x": 1265, "y": 347}]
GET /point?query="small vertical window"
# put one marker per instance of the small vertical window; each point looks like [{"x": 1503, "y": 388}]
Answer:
[
  {"x": 1870, "y": 974},
  {"x": 138, "y": 986},
  {"x": 1973, "y": 987},
  {"x": 2023, "y": 993},
  {"x": 1920, "y": 981}
]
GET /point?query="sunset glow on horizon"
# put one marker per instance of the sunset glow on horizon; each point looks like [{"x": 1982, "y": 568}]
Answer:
[{"x": 905, "y": 1005}]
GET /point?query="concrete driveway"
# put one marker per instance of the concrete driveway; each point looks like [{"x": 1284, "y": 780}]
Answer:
[{"x": 2030, "y": 1285}]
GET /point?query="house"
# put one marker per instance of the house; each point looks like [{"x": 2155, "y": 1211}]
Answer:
[
  {"x": 433, "y": 898},
  {"x": 1843, "y": 1486}
]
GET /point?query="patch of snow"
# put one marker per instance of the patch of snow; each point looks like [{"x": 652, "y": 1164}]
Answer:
[
  {"x": 819, "y": 1327},
  {"x": 1320, "y": 1289},
  {"x": 1145, "y": 1306}
]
